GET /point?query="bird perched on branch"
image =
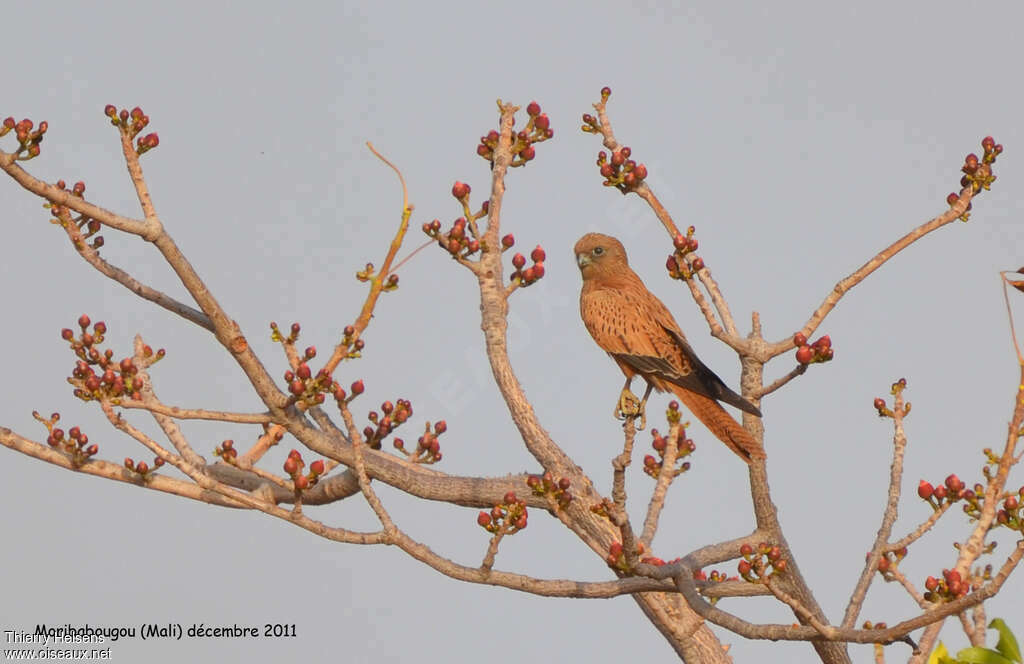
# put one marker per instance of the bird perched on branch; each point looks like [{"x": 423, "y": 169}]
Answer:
[{"x": 639, "y": 333}]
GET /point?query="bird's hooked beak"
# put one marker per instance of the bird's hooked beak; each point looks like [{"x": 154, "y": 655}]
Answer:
[{"x": 583, "y": 260}]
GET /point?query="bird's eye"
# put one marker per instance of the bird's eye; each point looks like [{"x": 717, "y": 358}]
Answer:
[{"x": 598, "y": 251}]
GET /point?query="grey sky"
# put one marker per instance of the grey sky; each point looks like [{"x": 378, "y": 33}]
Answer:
[{"x": 799, "y": 139}]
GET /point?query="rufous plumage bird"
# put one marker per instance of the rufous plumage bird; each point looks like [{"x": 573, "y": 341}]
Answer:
[{"x": 638, "y": 332}]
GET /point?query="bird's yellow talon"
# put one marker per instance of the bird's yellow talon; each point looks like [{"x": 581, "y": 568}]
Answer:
[{"x": 629, "y": 406}]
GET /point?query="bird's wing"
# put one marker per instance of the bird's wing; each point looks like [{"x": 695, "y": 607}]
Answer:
[
  {"x": 714, "y": 386},
  {"x": 615, "y": 319},
  {"x": 635, "y": 328}
]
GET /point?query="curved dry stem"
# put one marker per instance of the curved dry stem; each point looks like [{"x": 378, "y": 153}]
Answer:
[
  {"x": 1009, "y": 315},
  {"x": 379, "y": 280}
]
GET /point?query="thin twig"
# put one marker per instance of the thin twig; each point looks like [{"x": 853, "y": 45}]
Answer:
[
  {"x": 876, "y": 261},
  {"x": 798, "y": 370},
  {"x": 889, "y": 515},
  {"x": 665, "y": 477}
]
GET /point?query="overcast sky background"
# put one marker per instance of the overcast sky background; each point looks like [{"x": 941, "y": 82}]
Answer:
[{"x": 799, "y": 138}]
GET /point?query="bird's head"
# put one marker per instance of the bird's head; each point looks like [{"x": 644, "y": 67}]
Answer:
[{"x": 599, "y": 255}]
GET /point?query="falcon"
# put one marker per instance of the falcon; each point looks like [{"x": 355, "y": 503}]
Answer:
[{"x": 633, "y": 326}]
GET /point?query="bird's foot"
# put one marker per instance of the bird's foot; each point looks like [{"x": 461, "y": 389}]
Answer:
[{"x": 630, "y": 407}]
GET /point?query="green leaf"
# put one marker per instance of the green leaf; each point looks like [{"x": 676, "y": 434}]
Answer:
[
  {"x": 1007, "y": 643},
  {"x": 979, "y": 655},
  {"x": 940, "y": 655}
]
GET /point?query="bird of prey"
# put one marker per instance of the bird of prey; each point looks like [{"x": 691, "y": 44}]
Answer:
[{"x": 638, "y": 332}]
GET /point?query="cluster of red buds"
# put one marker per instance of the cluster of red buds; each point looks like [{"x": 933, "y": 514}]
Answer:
[
  {"x": 428, "y": 447},
  {"x": 307, "y": 388},
  {"x": 507, "y": 517},
  {"x": 75, "y": 444},
  {"x": 226, "y": 451},
  {"x": 760, "y": 563},
  {"x": 390, "y": 417},
  {"x": 116, "y": 380},
  {"x": 353, "y": 345},
  {"x": 463, "y": 238},
  {"x": 545, "y": 485},
  {"x": 28, "y": 139},
  {"x": 526, "y": 276},
  {"x": 676, "y": 264},
  {"x": 951, "y": 490},
  {"x": 276, "y": 335},
  {"x": 950, "y": 587},
  {"x": 1011, "y": 514},
  {"x": 714, "y": 577},
  {"x": 977, "y": 172},
  {"x": 819, "y": 351},
  {"x": 538, "y": 129},
  {"x": 592, "y": 125},
  {"x": 132, "y": 123},
  {"x": 616, "y": 558},
  {"x": 293, "y": 466},
  {"x": 86, "y": 226},
  {"x": 685, "y": 447},
  {"x": 888, "y": 562},
  {"x": 459, "y": 241},
  {"x": 619, "y": 170},
  {"x": 141, "y": 467},
  {"x": 883, "y": 408}
]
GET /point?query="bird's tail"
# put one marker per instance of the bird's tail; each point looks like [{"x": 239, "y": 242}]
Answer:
[{"x": 721, "y": 423}]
